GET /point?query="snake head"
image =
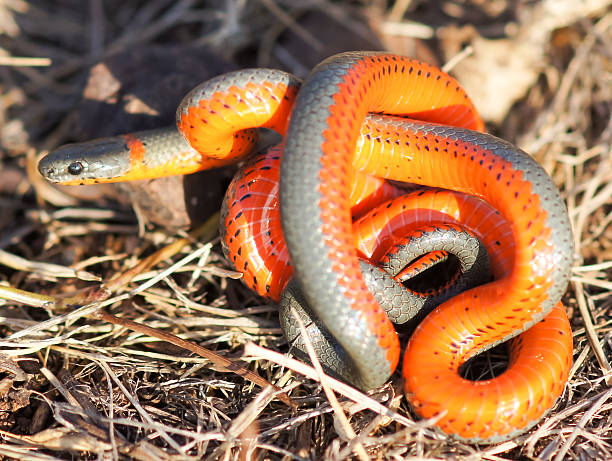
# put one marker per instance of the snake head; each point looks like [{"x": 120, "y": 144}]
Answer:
[{"x": 91, "y": 162}]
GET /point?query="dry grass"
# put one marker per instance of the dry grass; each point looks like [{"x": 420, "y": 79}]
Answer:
[{"x": 79, "y": 378}]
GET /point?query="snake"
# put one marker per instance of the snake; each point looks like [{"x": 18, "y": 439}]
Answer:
[{"x": 379, "y": 119}]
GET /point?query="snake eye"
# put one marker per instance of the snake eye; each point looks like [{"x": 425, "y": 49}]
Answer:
[{"x": 75, "y": 168}]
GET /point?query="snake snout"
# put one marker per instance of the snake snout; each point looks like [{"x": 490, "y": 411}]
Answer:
[{"x": 45, "y": 169}]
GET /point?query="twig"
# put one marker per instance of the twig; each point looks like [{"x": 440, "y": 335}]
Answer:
[
  {"x": 323, "y": 378},
  {"x": 221, "y": 363},
  {"x": 581, "y": 424},
  {"x": 17, "y": 61},
  {"x": 350, "y": 392},
  {"x": 592, "y": 334}
]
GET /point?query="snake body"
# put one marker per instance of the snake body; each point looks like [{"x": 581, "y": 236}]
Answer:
[{"x": 333, "y": 140}]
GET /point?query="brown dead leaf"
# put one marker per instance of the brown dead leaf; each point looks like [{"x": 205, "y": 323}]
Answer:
[{"x": 500, "y": 71}]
